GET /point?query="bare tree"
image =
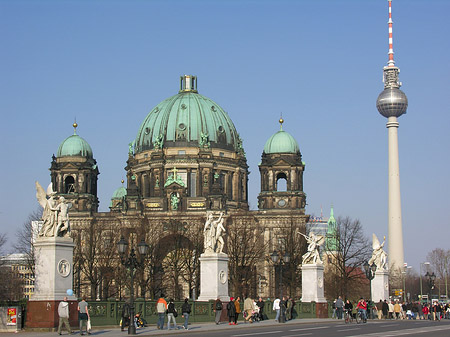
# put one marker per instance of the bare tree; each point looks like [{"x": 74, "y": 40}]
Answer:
[
  {"x": 440, "y": 261},
  {"x": 354, "y": 249},
  {"x": 295, "y": 245},
  {"x": 245, "y": 247},
  {"x": 24, "y": 238}
]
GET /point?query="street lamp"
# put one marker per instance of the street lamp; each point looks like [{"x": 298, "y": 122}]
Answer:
[
  {"x": 370, "y": 270},
  {"x": 404, "y": 273},
  {"x": 280, "y": 262},
  {"x": 431, "y": 278},
  {"x": 132, "y": 263},
  {"x": 420, "y": 267}
]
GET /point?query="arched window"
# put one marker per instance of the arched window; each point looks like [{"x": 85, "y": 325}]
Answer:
[
  {"x": 281, "y": 182},
  {"x": 69, "y": 185}
]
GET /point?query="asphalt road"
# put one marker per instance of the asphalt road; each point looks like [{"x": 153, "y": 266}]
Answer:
[
  {"x": 299, "y": 327},
  {"x": 332, "y": 329}
]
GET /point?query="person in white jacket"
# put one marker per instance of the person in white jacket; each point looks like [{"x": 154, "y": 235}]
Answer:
[
  {"x": 276, "y": 307},
  {"x": 63, "y": 313}
]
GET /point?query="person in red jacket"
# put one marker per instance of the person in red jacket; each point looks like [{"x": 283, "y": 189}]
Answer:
[{"x": 362, "y": 308}]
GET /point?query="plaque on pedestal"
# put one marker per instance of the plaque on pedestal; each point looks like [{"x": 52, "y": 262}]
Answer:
[{"x": 214, "y": 277}]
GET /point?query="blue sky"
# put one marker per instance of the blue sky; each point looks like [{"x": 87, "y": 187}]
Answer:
[{"x": 108, "y": 63}]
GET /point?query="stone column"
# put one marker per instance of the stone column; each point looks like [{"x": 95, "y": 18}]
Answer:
[{"x": 214, "y": 277}]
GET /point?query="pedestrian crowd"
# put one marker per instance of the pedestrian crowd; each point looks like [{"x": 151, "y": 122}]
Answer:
[{"x": 391, "y": 309}]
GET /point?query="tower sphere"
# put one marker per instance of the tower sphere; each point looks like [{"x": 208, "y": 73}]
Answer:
[{"x": 392, "y": 102}]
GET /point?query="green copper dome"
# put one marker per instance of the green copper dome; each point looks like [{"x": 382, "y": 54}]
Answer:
[
  {"x": 281, "y": 142},
  {"x": 187, "y": 119},
  {"x": 119, "y": 193},
  {"x": 74, "y": 146}
]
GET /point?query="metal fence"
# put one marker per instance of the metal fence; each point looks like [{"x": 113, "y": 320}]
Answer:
[{"x": 104, "y": 313}]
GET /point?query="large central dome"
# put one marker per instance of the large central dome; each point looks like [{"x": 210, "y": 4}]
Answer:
[{"x": 187, "y": 119}]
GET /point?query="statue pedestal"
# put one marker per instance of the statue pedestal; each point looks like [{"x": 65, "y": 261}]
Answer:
[
  {"x": 214, "y": 277},
  {"x": 380, "y": 286},
  {"x": 53, "y": 277},
  {"x": 312, "y": 283}
]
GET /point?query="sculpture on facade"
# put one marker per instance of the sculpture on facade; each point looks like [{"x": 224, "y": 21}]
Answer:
[
  {"x": 55, "y": 216},
  {"x": 213, "y": 234},
  {"x": 379, "y": 256},
  {"x": 174, "y": 201},
  {"x": 312, "y": 256}
]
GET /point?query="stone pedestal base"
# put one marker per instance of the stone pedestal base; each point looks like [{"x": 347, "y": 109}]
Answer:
[
  {"x": 44, "y": 314},
  {"x": 53, "y": 268},
  {"x": 312, "y": 283},
  {"x": 214, "y": 277},
  {"x": 322, "y": 310},
  {"x": 380, "y": 286}
]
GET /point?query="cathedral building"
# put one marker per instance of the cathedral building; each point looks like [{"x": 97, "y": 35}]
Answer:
[{"x": 187, "y": 160}]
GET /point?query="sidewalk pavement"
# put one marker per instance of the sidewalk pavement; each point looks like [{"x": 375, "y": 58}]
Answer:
[{"x": 110, "y": 331}]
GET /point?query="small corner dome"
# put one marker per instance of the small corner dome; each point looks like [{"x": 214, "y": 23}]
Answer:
[
  {"x": 119, "y": 193},
  {"x": 74, "y": 146},
  {"x": 281, "y": 142}
]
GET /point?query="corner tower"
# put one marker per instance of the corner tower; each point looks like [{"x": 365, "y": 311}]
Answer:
[
  {"x": 281, "y": 171},
  {"x": 392, "y": 103},
  {"x": 74, "y": 173}
]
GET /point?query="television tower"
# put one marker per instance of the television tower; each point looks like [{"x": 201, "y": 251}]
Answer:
[{"x": 392, "y": 103}]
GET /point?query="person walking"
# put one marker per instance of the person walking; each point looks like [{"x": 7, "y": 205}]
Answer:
[
  {"x": 385, "y": 309},
  {"x": 126, "y": 318},
  {"x": 161, "y": 307},
  {"x": 83, "y": 315},
  {"x": 397, "y": 310},
  {"x": 391, "y": 310},
  {"x": 248, "y": 309},
  {"x": 276, "y": 307},
  {"x": 289, "y": 309},
  {"x": 186, "y": 311},
  {"x": 171, "y": 314},
  {"x": 63, "y": 313},
  {"x": 380, "y": 309},
  {"x": 237, "y": 305},
  {"x": 339, "y": 307},
  {"x": 260, "y": 305},
  {"x": 283, "y": 305},
  {"x": 218, "y": 306},
  {"x": 231, "y": 311}
]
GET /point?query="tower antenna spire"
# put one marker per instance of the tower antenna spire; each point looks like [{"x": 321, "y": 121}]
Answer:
[{"x": 391, "y": 62}]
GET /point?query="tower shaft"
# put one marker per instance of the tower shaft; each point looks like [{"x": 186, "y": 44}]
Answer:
[{"x": 395, "y": 243}]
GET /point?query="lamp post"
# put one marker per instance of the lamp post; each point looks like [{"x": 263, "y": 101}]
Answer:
[
  {"x": 420, "y": 267},
  {"x": 280, "y": 262},
  {"x": 370, "y": 270},
  {"x": 131, "y": 262},
  {"x": 404, "y": 273},
  {"x": 430, "y": 278}
]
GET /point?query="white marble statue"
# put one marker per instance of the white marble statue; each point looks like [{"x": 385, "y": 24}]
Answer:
[
  {"x": 55, "y": 216},
  {"x": 213, "y": 230},
  {"x": 312, "y": 256},
  {"x": 379, "y": 256}
]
